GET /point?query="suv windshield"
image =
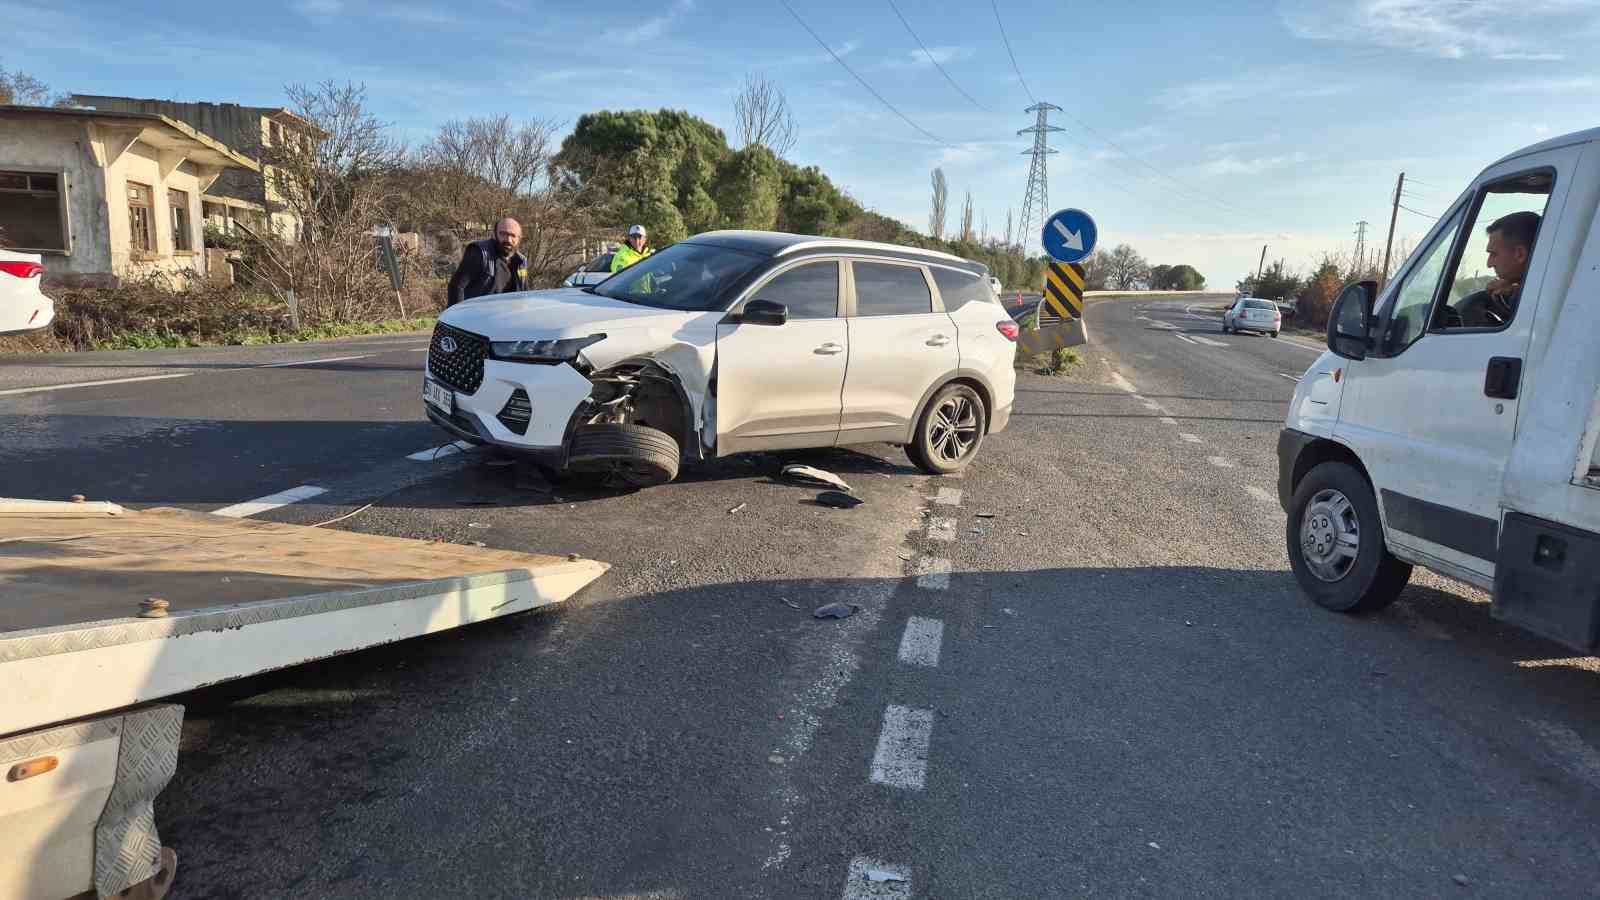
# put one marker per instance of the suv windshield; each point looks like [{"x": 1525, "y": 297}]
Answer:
[{"x": 686, "y": 276}]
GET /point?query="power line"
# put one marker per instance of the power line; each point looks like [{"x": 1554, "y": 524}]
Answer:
[
  {"x": 993, "y": 4},
  {"x": 935, "y": 62},
  {"x": 1416, "y": 211},
  {"x": 925, "y": 132}
]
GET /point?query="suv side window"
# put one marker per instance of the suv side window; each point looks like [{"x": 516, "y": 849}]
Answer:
[
  {"x": 886, "y": 289},
  {"x": 957, "y": 289},
  {"x": 1407, "y": 316},
  {"x": 811, "y": 291}
]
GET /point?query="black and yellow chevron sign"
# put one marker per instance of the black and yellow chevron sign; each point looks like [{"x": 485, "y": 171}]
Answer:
[{"x": 1063, "y": 289}]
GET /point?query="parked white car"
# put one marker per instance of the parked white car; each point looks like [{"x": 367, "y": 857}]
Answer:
[
  {"x": 23, "y": 306},
  {"x": 730, "y": 342},
  {"x": 593, "y": 272}
]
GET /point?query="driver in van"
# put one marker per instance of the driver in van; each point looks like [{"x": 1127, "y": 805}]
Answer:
[{"x": 1510, "y": 246}]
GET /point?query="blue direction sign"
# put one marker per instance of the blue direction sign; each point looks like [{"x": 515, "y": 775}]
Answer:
[{"x": 1069, "y": 235}]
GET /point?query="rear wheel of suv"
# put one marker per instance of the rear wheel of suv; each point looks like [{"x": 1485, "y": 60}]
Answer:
[
  {"x": 632, "y": 454},
  {"x": 950, "y": 430}
]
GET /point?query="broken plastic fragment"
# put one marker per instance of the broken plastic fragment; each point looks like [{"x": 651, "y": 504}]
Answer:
[
  {"x": 737, "y": 508},
  {"x": 839, "y": 500},
  {"x": 836, "y": 611},
  {"x": 812, "y": 475},
  {"x": 882, "y": 875}
]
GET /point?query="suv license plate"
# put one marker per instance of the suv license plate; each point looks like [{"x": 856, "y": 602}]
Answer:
[{"x": 439, "y": 396}]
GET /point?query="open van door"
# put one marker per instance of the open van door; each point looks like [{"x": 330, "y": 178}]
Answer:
[{"x": 1440, "y": 347}]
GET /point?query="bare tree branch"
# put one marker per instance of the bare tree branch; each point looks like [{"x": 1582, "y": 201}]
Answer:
[{"x": 761, "y": 116}]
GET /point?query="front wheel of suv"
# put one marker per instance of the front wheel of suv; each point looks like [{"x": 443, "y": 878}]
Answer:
[{"x": 950, "y": 430}]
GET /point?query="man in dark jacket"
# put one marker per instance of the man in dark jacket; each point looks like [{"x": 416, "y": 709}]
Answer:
[{"x": 489, "y": 266}]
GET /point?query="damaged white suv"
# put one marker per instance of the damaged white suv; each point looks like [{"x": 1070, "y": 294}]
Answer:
[{"x": 728, "y": 342}]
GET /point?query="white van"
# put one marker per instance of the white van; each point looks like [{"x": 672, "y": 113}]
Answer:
[{"x": 1454, "y": 426}]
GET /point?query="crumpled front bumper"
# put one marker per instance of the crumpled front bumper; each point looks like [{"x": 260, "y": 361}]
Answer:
[{"x": 554, "y": 393}]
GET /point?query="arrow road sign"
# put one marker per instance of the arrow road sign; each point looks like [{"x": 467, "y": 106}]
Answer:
[{"x": 1069, "y": 235}]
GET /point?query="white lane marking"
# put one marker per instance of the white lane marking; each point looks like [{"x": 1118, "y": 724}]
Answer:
[
  {"x": 1221, "y": 462},
  {"x": 1168, "y": 420},
  {"x": 84, "y": 384},
  {"x": 433, "y": 453},
  {"x": 901, "y": 759},
  {"x": 1574, "y": 753},
  {"x": 941, "y": 528},
  {"x": 1183, "y": 337},
  {"x": 1191, "y": 438},
  {"x": 271, "y": 501},
  {"x": 948, "y": 497},
  {"x": 1260, "y": 494},
  {"x": 932, "y": 573},
  {"x": 310, "y": 362},
  {"x": 1140, "y": 398},
  {"x": 920, "y": 644},
  {"x": 1154, "y": 407},
  {"x": 1285, "y": 342},
  {"x": 1288, "y": 376},
  {"x": 1123, "y": 383},
  {"x": 1209, "y": 342},
  {"x": 419, "y": 349},
  {"x": 872, "y": 879}
]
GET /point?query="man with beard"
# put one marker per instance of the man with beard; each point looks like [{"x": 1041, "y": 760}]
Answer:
[{"x": 489, "y": 266}]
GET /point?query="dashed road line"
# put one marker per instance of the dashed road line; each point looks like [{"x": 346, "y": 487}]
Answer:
[
  {"x": 1168, "y": 420},
  {"x": 271, "y": 501},
  {"x": 83, "y": 384},
  {"x": 933, "y": 573},
  {"x": 871, "y": 879},
  {"x": 901, "y": 760},
  {"x": 1123, "y": 383},
  {"x": 941, "y": 528},
  {"x": 1191, "y": 438},
  {"x": 948, "y": 497},
  {"x": 433, "y": 453},
  {"x": 1221, "y": 462},
  {"x": 920, "y": 644},
  {"x": 1184, "y": 337},
  {"x": 1209, "y": 342},
  {"x": 1260, "y": 494}
]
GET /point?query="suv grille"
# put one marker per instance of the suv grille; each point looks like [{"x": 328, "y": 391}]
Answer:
[{"x": 461, "y": 368}]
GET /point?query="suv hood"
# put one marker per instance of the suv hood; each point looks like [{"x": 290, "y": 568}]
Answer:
[{"x": 560, "y": 313}]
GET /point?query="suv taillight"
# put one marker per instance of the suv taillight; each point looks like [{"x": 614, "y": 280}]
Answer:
[
  {"x": 22, "y": 269},
  {"x": 1008, "y": 329}
]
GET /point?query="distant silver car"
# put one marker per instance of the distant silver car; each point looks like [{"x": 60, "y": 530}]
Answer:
[
  {"x": 596, "y": 271},
  {"x": 1253, "y": 314},
  {"x": 23, "y": 306}
]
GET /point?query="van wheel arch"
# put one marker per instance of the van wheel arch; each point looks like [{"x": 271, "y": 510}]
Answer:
[{"x": 1324, "y": 450}]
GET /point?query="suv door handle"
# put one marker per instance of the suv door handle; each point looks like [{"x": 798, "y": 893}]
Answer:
[
  {"x": 937, "y": 340},
  {"x": 1502, "y": 378},
  {"x": 829, "y": 349}
]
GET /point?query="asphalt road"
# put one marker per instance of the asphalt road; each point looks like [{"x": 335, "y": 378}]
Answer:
[{"x": 1081, "y": 669}]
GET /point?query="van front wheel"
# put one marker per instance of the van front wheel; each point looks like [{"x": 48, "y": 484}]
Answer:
[{"x": 1336, "y": 545}]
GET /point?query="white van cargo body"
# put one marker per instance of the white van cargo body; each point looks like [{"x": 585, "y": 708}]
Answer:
[{"x": 1454, "y": 422}]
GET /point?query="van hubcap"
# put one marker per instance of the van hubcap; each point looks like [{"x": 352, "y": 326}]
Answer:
[{"x": 1330, "y": 535}]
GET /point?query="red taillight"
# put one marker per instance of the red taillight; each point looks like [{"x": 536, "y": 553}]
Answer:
[
  {"x": 22, "y": 269},
  {"x": 1008, "y": 329}
]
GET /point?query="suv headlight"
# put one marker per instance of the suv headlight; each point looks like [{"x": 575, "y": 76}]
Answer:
[{"x": 548, "y": 351}]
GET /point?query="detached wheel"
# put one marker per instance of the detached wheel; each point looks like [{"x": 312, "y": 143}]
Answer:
[
  {"x": 632, "y": 454},
  {"x": 949, "y": 432},
  {"x": 1336, "y": 545},
  {"x": 1274, "y": 334}
]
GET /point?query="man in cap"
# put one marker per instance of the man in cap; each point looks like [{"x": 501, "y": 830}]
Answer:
[{"x": 633, "y": 250}]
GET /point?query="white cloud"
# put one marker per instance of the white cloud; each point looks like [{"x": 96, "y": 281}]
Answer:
[
  {"x": 811, "y": 59},
  {"x": 916, "y": 59},
  {"x": 1577, "y": 85},
  {"x": 1541, "y": 130},
  {"x": 1279, "y": 85},
  {"x": 1448, "y": 29},
  {"x": 1232, "y": 165},
  {"x": 650, "y": 29},
  {"x": 319, "y": 9}
]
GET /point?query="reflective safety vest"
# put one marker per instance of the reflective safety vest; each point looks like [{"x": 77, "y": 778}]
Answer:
[{"x": 627, "y": 256}]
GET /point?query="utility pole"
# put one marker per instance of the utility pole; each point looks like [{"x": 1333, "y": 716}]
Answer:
[
  {"x": 1261, "y": 266},
  {"x": 1036, "y": 199},
  {"x": 1388, "y": 245},
  {"x": 1361, "y": 243}
]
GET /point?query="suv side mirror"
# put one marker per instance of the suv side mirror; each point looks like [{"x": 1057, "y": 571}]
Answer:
[
  {"x": 1350, "y": 320},
  {"x": 764, "y": 312}
]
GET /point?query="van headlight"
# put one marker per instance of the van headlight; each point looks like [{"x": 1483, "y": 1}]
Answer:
[{"x": 547, "y": 351}]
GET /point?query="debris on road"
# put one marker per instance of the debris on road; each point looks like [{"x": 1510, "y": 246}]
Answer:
[
  {"x": 789, "y": 603},
  {"x": 810, "y": 475},
  {"x": 986, "y": 515},
  {"x": 1461, "y": 880},
  {"x": 839, "y": 500},
  {"x": 836, "y": 611},
  {"x": 477, "y": 525},
  {"x": 882, "y": 875},
  {"x": 905, "y": 556},
  {"x": 737, "y": 508},
  {"x": 1154, "y": 846}
]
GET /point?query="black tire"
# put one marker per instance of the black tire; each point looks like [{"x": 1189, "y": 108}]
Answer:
[
  {"x": 1371, "y": 580},
  {"x": 931, "y": 448},
  {"x": 633, "y": 454},
  {"x": 1224, "y": 327},
  {"x": 1274, "y": 334}
]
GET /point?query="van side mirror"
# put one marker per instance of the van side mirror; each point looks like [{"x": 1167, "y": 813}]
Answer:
[
  {"x": 764, "y": 312},
  {"x": 1350, "y": 320}
]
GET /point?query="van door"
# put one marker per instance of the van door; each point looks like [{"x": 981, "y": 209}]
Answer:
[{"x": 1432, "y": 411}]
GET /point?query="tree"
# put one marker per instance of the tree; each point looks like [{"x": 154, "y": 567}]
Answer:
[
  {"x": 941, "y": 196},
  {"x": 1181, "y": 277},
  {"x": 1096, "y": 271},
  {"x": 761, "y": 116},
  {"x": 1275, "y": 283},
  {"x": 1126, "y": 270},
  {"x": 747, "y": 188},
  {"x": 966, "y": 220},
  {"x": 23, "y": 89}
]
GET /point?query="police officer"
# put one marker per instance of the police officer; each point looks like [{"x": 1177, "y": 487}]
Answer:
[{"x": 633, "y": 250}]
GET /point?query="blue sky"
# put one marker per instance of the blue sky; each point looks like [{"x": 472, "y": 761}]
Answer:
[{"x": 1279, "y": 123}]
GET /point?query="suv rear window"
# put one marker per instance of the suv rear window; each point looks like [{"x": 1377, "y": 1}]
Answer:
[{"x": 960, "y": 288}]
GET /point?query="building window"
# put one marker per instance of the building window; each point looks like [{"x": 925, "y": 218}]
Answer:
[
  {"x": 32, "y": 215},
  {"x": 277, "y": 134},
  {"x": 141, "y": 219},
  {"x": 181, "y": 238}
]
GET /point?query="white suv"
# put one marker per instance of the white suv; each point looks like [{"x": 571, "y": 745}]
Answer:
[{"x": 728, "y": 342}]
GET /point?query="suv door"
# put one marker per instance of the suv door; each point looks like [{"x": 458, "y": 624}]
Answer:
[
  {"x": 900, "y": 346},
  {"x": 1432, "y": 411},
  {"x": 778, "y": 386}
]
